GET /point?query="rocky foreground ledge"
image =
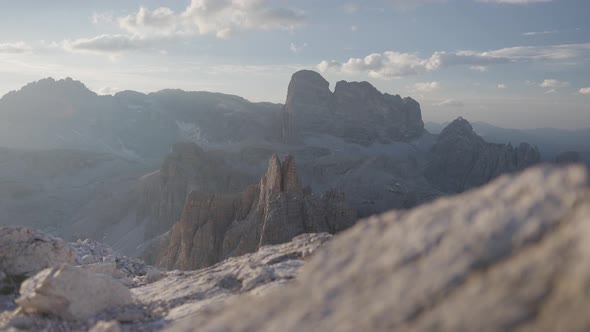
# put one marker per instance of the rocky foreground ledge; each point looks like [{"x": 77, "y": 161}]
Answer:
[
  {"x": 511, "y": 256},
  {"x": 87, "y": 286}
]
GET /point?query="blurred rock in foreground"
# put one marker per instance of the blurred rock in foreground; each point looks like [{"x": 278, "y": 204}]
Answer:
[{"x": 513, "y": 255}]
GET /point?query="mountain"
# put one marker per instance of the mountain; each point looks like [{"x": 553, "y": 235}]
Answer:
[
  {"x": 214, "y": 227},
  {"x": 461, "y": 159},
  {"x": 550, "y": 141},
  {"x": 368, "y": 145},
  {"x": 66, "y": 114},
  {"x": 356, "y": 112}
]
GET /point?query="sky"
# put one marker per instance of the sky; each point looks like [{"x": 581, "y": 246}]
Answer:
[{"x": 512, "y": 63}]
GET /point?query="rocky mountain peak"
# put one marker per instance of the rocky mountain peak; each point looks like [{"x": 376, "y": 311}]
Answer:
[
  {"x": 216, "y": 226},
  {"x": 356, "y": 112},
  {"x": 49, "y": 85},
  {"x": 459, "y": 127},
  {"x": 362, "y": 90},
  {"x": 461, "y": 159}
]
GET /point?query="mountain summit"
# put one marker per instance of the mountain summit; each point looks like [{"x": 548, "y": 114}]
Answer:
[{"x": 356, "y": 112}]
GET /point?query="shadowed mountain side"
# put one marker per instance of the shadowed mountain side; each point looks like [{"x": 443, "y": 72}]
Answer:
[
  {"x": 550, "y": 141},
  {"x": 356, "y": 112},
  {"x": 461, "y": 159}
]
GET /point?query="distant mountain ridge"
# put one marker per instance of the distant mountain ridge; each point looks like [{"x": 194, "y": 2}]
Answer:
[
  {"x": 550, "y": 141},
  {"x": 137, "y": 126},
  {"x": 370, "y": 146}
]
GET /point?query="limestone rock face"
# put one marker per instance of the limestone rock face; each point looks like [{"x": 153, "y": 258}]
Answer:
[
  {"x": 71, "y": 293},
  {"x": 187, "y": 168},
  {"x": 356, "y": 112},
  {"x": 25, "y": 251},
  {"x": 216, "y": 226},
  {"x": 511, "y": 256},
  {"x": 461, "y": 159}
]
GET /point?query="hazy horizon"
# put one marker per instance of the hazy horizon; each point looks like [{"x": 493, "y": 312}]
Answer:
[{"x": 511, "y": 63}]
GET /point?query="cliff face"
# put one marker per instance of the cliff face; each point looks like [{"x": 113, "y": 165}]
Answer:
[
  {"x": 216, "y": 226},
  {"x": 356, "y": 112},
  {"x": 187, "y": 168},
  {"x": 461, "y": 159}
]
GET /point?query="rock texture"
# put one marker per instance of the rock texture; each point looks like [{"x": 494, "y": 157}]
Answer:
[
  {"x": 71, "y": 293},
  {"x": 97, "y": 257},
  {"x": 461, "y": 159},
  {"x": 215, "y": 226},
  {"x": 187, "y": 168},
  {"x": 182, "y": 294},
  {"x": 25, "y": 251},
  {"x": 511, "y": 256},
  {"x": 356, "y": 112}
]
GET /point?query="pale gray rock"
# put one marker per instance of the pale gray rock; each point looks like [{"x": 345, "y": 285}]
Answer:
[
  {"x": 104, "y": 326},
  {"x": 25, "y": 251},
  {"x": 71, "y": 293},
  {"x": 511, "y": 256},
  {"x": 153, "y": 275},
  {"x": 97, "y": 257},
  {"x": 207, "y": 291},
  {"x": 181, "y": 294}
]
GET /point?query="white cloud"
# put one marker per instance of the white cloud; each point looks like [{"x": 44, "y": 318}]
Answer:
[
  {"x": 331, "y": 65},
  {"x": 450, "y": 103},
  {"x": 427, "y": 86},
  {"x": 391, "y": 64},
  {"x": 18, "y": 47},
  {"x": 107, "y": 90},
  {"x": 297, "y": 48},
  {"x": 502, "y": 86},
  {"x": 585, "y": 91},
  {"x": 354, "y": 28},
  {"x": 110, "y": 44},
  {"x": 535, "y": 33},
  {"x": 103, "y": 17},
  {"x": 220, "y": 18},
  {"x": 554, "y": 84},
  {"x": 480, "y": 69}
]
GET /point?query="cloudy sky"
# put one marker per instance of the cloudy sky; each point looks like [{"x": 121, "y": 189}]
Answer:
[{"x": 514, "y": 63}]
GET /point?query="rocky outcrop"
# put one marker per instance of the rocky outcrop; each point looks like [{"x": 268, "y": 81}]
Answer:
[
  {"x": 568, "y": 157},
  {"x": 461, "y": 159},
  {"x": 216, "y": 226},
  {"x": 180, "y": 294},
  {"x": 356, "y": 112},
  {"x": 25, "y": 251},
  {"x": 511, "y": 256},
  {"x": 71, "y": 293},
  {"x": 187, "y": 168}
]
